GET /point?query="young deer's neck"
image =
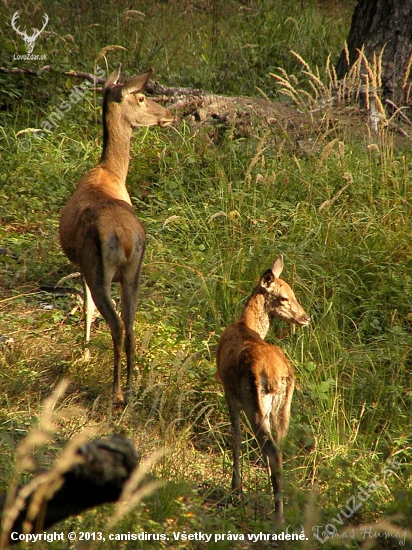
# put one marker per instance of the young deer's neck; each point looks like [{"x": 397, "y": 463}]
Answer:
[
  {"x": 116, "y": 145},
  {"x": 255, "y": 316}
]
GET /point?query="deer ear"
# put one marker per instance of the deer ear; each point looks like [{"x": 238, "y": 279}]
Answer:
[
  {"x": 113, "y": 78},
  {"x": 267, "y": 279},
  {"x": 277, "y": 267},
  {"x": 137, "y": 83}
]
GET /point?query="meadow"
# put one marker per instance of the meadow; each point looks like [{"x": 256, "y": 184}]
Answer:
[{"x": 330, "y": 195}]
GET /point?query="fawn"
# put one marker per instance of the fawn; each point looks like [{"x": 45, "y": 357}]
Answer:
[
  {"x": 257, "y": 377},
  {"x": 99, "y": 230}
]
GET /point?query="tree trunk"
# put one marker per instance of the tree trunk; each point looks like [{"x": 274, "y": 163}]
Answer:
[{"x": 377, "y": 24}]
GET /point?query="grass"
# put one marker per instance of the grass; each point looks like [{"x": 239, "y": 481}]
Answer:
[{"x": 216, "y": 216}]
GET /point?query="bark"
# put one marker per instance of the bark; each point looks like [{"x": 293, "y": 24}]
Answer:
[
  {"x": 99, "y": 477},
  {"x": 377, "y": 24}
]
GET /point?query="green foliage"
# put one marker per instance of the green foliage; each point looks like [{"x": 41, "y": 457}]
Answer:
[
  {"x": 216, "y": 216},
  {"x": 224, "y": 47}
]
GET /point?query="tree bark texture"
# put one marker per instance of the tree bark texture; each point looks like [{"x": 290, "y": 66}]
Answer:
[{"x": 377, "y": 24}]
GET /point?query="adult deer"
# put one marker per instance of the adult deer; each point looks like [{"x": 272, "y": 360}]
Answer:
[
  {"x": 257, "y": 377},
  {"x": 99, "y": 230}
]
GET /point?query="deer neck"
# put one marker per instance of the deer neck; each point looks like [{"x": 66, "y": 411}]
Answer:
[
  {"x": 116, "y": 146},
  {"x": 255, "y": 316}
]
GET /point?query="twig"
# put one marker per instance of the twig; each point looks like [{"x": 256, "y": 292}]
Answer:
[
  {"x": 398, "y": 111},
  {"x": 153, "y": 87},
  {"x": 49, "y": 68}
]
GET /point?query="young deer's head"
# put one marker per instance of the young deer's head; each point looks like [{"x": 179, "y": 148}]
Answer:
[
  {"x": 280, "y": 300},
  {"x": 127, "y": 102}
]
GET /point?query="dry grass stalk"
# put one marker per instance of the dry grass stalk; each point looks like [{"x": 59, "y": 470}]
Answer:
[
  {"x": 41, "y": 434},
  {"x": 329, "y": 202},
  {"x": 104, "y": 51},
  {"x": 132, "y": 494},
  {"x": 331, "y": 74},
  {"x": 363, "y": 76},
  {"x": 260, "y": 149},
  {"x": 130, "y": 15},
  {"x": 373, "y": 83},
  {"x": 406, "y": 88},
  {"x": 107, "y": 49},
  {"x": 53, "y": 479},
  {"x": 42, "y": 487},
  {"x": 288, "y": 89}
]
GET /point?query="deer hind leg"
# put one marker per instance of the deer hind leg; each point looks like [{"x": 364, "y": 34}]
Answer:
[
  {"x": 260, "y": 423},
  {"x": 105, "y": 306},
  {"x": 129, "y": 296},
  {"x": 99, "y": 284},
  {"x": 280, "y": 414},
  {"x": 234, "y": 414}
]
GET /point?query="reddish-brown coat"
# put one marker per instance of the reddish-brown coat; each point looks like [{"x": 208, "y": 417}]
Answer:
[
  {"x": 257, "y": 376},
  {"x": 99, "y": 230}
]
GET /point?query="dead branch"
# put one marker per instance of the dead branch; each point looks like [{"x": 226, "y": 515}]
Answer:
[
  {"x": 49, "y": 68},
  {"x": 153, "y": 87}
]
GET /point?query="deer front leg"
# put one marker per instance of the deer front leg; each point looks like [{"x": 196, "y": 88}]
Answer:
[{"x": 88, "y": 311}]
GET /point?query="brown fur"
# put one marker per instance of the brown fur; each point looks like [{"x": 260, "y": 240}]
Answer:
[
  {"x": 99, "y": 230},
  {"x": 257, "y": 377}
]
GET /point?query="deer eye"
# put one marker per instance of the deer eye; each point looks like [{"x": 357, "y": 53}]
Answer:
[
  {"x": 142, "y": 99},
  {"x": 284, "y": 299}
]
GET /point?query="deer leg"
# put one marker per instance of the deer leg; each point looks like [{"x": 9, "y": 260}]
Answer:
[
  {"x": 129, "y": 305},
  {"x": 105, "y": 306},
  {"x": 102, "y": 298},
  {"x": 280, "y": 415},
  {"x": 88, "y": 310},
  {"x": 98, "y": 278},
  {"x": 274, "y": 457},
  {"x": 234, "y": 414},
  {"x": 270, "y": 448}
]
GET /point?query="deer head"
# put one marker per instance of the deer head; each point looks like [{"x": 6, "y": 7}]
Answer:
[
  {"x": 135, "y": 108},
  {"x": 280, "y": 300}
]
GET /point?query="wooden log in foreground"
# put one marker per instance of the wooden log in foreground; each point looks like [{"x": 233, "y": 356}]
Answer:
[{"x": 101, "y": 468}]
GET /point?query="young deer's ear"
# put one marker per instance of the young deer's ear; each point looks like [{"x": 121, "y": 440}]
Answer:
[
  {"x": 138, "y": 83},
  {"x": 277, "y": 267},
  {"x": 267, "y": 279},
  {"x": 113, "y": 79}
]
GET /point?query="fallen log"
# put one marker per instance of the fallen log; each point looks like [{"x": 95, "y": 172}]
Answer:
[{"x": 100, "y": 470}]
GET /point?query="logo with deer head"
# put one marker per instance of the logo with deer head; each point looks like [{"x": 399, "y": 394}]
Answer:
[{"x": 29, "y": 40}]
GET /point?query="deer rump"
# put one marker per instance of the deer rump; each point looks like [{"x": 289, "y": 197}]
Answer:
[
  {"x": 106, "y": 233},
  {"x": 258, "y": 375}
]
